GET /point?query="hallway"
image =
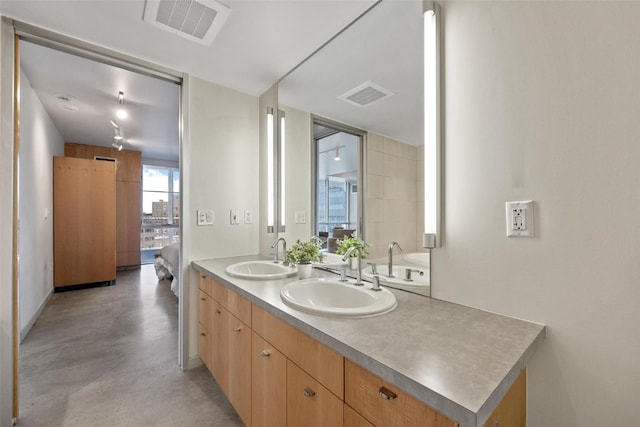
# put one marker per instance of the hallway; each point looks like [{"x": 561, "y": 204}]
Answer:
[{"x": 108, "y": 357}]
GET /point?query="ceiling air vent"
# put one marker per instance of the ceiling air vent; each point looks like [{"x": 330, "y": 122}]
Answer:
[
  {"x": 366, "y": 94},
  {"x": 198, "y": 21}
]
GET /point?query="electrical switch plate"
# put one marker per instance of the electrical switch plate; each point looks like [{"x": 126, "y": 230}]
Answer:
[
  {"x": 301, "y": 217},
  {"x": 205, "y": 217},
  {"x": 520, "y": 219},
  {"x": 248, "y": 217},
  {"x": 234, "y": 216}
]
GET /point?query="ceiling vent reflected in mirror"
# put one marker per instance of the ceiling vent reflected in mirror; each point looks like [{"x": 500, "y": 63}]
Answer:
[
  {"x": 198, "y": 21},
  {"x": 366, "y": 94}
]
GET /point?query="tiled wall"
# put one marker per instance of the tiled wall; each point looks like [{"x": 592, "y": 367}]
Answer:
[{"x": 391, "y": 201}]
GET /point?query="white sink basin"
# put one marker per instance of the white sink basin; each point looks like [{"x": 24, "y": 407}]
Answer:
[
  {"x": 260, "y": 270},
  {"x": 399, "y": 272},
  {"x": 417, "y": 258},
  {"x": 334, "y": 298}
]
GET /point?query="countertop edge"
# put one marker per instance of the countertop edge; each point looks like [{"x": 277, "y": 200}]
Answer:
[{"x": 455, "y": 411}]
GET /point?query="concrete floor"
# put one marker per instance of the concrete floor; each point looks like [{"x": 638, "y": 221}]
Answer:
[{"x": 108, "y": 357}]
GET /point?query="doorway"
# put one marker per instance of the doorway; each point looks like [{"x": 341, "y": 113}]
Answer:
[
  {"x": 338, "y": 194},
  {"x": 47, "y": 122}
]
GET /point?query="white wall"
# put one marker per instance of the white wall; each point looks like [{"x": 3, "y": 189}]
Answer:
[
  {"x": 222, "y": 175},
  {"x": 6, "y": 223},
  {"x": 543, "y": 103},
  {"x": 39, "y": 142}
]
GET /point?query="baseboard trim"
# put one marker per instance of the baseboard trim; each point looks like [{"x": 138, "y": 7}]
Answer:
[
  {"x": 194, "y": 362},
  {"x": 27, "y": 328}
]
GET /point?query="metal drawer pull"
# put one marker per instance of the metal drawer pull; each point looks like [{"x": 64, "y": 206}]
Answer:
[
  {"x": 387, "y": 394},
  {"x": 265, "y": 353},
  {"x": 237, "y": 329},
  {"x": 308, "y": 392}
]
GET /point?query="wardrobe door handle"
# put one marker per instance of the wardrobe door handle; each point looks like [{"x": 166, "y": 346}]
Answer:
[
  {"x": 265, "y": 353},
  {"x": 237, "y": 329},
  {"x": 202, "y": 334},
  {"x": 308, "y": 392},
  {"x": 218, "y": 312},
  {"x": 387, "y": 394}
]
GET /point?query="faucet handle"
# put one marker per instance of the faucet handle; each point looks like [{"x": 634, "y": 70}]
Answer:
[
  {"x": 374, "y": 267},
  {"x": 376, "y": 283},
  {"x": 343, "y": 274},
  {"x": 407, "y": 274}
]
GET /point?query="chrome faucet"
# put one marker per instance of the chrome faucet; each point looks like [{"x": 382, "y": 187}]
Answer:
[
  {"x": 346, "y": 256},
  {"x": 284, "y": 249},
  {"x": 391, "y": 245},
  {"x": 316, "y": 239}
]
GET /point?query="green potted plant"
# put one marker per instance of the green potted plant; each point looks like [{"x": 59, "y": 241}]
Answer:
[
  {"x": 348, "y": 242},
  {"x": 302, "y": 254}
]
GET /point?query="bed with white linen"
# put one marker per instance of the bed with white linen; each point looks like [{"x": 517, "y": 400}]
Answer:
[{"x": 167, "y": 265}]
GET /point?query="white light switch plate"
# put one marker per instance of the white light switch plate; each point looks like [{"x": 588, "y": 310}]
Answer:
[
  {"x": 234, "y": 216},
  {"x": 520, "y": 219},
  {"x": 205, "y": 217},
  {"x": 301, "y": 217},
  {"x": 248, "y": 217}
]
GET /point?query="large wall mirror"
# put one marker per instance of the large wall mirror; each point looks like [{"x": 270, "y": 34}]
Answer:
[{"x": 370, "y": 77}]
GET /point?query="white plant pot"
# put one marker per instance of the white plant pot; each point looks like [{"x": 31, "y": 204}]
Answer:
[{"x": 304, "y": 271}]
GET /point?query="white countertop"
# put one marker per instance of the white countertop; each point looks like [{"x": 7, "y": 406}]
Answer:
[{"x": 459, "y": 360}]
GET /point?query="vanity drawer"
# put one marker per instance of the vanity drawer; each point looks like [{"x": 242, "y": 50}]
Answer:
[
  {"x": 218, "y": 292},
  {"x": 238, "y": 306},
  {"x": 386, "y": 405},
  {"x": 205, "y": 284},
  {"x": 322, "y": 363},
  {"x": 204, "y": 308}
]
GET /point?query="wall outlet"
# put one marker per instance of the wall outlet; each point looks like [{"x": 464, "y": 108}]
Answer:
[
  {"x": 301, "y": 217},
  {"x": 520, "y": 219},
  {"x": 248, "y": 217},
  {"x": 205, "y": 217},
  {"x": 234, "y": 216}
]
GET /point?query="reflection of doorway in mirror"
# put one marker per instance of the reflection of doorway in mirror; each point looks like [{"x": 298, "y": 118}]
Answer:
[{"x": 338, "y": 207}]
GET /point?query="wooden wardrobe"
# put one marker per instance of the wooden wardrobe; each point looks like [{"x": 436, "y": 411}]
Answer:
[
  {"x": 84, "y": 221},
  {"x": 128, "y": 198}
]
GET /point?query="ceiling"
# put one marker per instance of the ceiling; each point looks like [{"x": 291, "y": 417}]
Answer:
[{"x": 260, "y": 42}]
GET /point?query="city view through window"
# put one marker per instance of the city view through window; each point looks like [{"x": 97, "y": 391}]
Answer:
[{"x": 160, "y": 210}]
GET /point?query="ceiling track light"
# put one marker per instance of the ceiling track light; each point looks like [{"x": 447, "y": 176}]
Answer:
[
  {"x": 337, "y": 156},
  {"x": 121, "y": 97},
  {"x": 115, "y": 124},
  {"x": 117, "y": 146}
]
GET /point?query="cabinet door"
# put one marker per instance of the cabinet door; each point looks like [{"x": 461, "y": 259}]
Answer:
[
  {"x": 512, "y": 411},
  {"x": 239, "y": 362},
  {"x": 128, "y": 214},
  {"x": 309, "y": 404},
  {"x": 353, "y": 419},
  {"x": 219, "y": 345},
  {"x": 268, "y": 384},
  {"x": 385, "y": 405},
  {"x": 84, "y": 221},
  {"x": 204, "y": 346}
]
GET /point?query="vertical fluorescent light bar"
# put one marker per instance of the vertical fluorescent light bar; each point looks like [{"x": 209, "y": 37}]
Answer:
[
  {"x": 270, "y": 173},
  {"x": 431, "y": 126},
  {"x": 282, "y": 132}
]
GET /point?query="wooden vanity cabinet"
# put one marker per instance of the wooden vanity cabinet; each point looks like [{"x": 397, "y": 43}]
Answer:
[
  {"x": 268, "y": 384},
  {"x": 275, "y": 375},
  {"x": 385, "y": 405}
]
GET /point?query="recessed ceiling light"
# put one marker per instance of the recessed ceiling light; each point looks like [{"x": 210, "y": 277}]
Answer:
[{"x": 122, "y": 114}]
